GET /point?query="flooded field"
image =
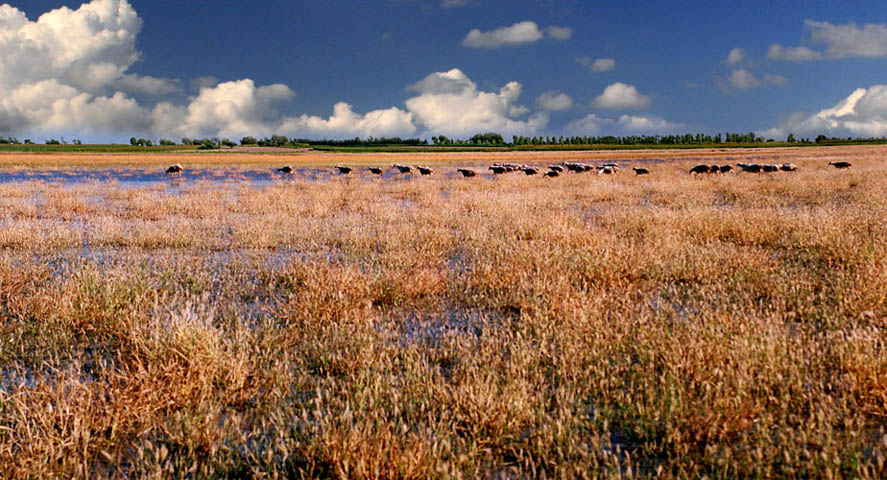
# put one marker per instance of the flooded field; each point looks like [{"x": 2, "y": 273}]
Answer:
[{"x": 235, "y": 321}]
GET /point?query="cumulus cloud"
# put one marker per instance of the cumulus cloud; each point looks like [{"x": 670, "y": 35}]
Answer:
[
  {"x": 624, "y": 125},
  {"x": 840, "y": 41},
  {"x": 520, "y": 33},
  {"x": 792, "y": 54},
  {"x": 639, "y": 124},
  {"x": 735, "y": 56},
  {"x": 232, "y": 108},
  {"x": 450, "y": 103},
  {"x": 742, "y": 79},
  {"x": 849, "y": 40},
  {"x": 344, "y": 122},
  {"x": 597, "y": 65},
  {"x": 553, "y": 101},
  {"x": 49, "y": 105},
  {"x": 621, "y": 96},
  {"x": 862, "y": 114},
  {"x": 70, "y": 70},
  {"x": 517, "y": 34}
]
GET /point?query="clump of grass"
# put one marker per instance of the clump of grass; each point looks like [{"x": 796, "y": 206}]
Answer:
[{"x": 583, "y": 326}]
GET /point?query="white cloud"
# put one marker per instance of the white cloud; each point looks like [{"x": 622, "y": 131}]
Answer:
[
  {"x": 345, "y": 123},
  {"x": 554, "y": 101},
  {"x": 233, "y": 108},
  {"x": 625, "y": 125},
  {"x": 559, "y": 33},
  {"x": 862, "y": 114},
  {"x": 792, "y": 54},
  {"x": 520, "y": 33},
  {"x": 50, "y": 105},
  {"x": 451, "y": 82},
  {"x": 451, "y": 104},
  {"x": 840, "y": 41},
  {"x": 735, "y": 56},
  {"x": 621, "y": 96},
  {"x": 742, "y": 79},
  {"x": 69, "y": 71},
  {"x": 517, "y": 34},
  {"x": 849, "y": 40},
  {"x": 638, "y": 124},
  {"x": 597, "y": 65}
]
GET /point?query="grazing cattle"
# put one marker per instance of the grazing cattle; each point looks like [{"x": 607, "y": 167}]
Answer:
[
  {"x": 788, "y": 167},
  {"x": 343, "y": 169},
  {"x": 375, "y": 170},
  {"x": 770, "y": 168},
  {"x": 425, "y": 170},
  {"x": 726, "y": 168},
  {"x": 552, "y": 173},
  {"x": 606, "y": 170},
  {"x": 498, "y": 169},
  {"x": 714, "y": 169},
  {"x": 531, "y": 170},
  {"x": 466, "y": 172},
  {"x": 174, "y": 169},
  {"x": 556, "y": 168},
  {"x": 286, "y": 169},
  {"x": 403, "y": 168},
  {"x": 513, "y": 167},
  {"x": 840, "y": 165},
  {"x": 750, "y": 167},
  {"x": 573, "y": 167},
  {"x": 702, "y": 168},
  {"x": 640, "y": 171}
]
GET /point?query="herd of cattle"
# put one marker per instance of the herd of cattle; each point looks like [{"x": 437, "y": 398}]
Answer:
[{"x": 555, "y": 170}]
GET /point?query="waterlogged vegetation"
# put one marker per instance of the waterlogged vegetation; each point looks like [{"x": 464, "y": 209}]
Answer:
[{"x": 581, "y": 326}]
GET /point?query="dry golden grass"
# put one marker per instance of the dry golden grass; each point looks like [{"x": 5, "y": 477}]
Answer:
[{"x": 582, "y": 326}]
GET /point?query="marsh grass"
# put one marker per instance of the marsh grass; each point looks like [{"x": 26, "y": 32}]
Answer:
[{"x": 582, "y": 326}]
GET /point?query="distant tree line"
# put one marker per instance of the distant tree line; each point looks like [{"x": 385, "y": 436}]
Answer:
[
  {"x": 836, "y": 140},
  {"x": 479, "y": 139},
  {"x": 489, "y": 138}
]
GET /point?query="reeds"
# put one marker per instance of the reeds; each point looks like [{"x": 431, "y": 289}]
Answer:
[{"x": 581, "y": 326}]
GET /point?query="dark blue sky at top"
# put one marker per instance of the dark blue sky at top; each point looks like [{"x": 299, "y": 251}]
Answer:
[{"x": 367, "y": 52}]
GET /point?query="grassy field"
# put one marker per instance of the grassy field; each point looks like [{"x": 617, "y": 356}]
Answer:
[{"x": 582, "y": 326}]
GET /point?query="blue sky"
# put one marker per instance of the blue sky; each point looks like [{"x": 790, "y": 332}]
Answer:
[{"x": 108, "y": 69}]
